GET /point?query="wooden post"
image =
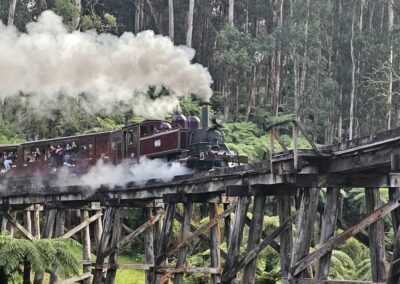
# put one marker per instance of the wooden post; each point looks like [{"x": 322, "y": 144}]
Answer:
[
  {"x": 58, "y": 232},
  {"x": 227, "y": 225},
  {"x": 164, "y": 240},
  {"x": 36, "y": 222},
  {"x": 105, "y": 237},
  {"x": 49, "y": 223},
  {"x": 305, "y": 224},
  {"x": 235, "y": 237},
  {"x": 394, "y": 194},
  {"x": 3, "y": 224},
  {"x": 148, "y": 245},
  {"x": 98, "y": 230},
  {"x": 394, "y": 271},
  {"x": 284, "y": 212},
  {"x": 215, "y": 236},
  {"x": 187, "y": 217},
  {"x": 10, "y": 227},
  {"x": 328, "y": 227},
  {"x": 86, "y": 247},
  {"x": 376, "y": 236},
  {"x": 116, "y": 235},
  {"x": 27, "y": 264},
  {"x": 254, "y": 237}
]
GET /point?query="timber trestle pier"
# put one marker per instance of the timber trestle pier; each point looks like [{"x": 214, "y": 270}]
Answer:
[{"x": 295, "y": 178}]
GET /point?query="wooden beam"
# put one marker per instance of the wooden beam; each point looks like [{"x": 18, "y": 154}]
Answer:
[
  {"x": 215, "y": 242},
  {"x": 236, "y": 236},
  {"x": 161, "y": 269},
  {"x": 255, "y": 232},
  {"x": 82, "y": 225},
  {"x": 315, "y": 281},
  {"x": 17, "y": 225},
  {"x": 164, "y": 240},
  {"x": 49, "y": 223},
  {"x": 127, "y": 239},
  {"x": 116, "y": 235},
  {"x": 284, "y": 212},
  {"x": 305, "y": 226},
  {"x": 394, "y": 193},
  {"x": 341, "y": 238},
  {"x": 201, "y": 230},
  {"x": 203, "y": 237},
  {"x": 36, "y": 222},
  {"x": 259, "y": 248},
  {"x": 86, "y": 247},
  {"x": 394, "y": 270},
  {"x": 148, "y": 237},
  {"x": 185, "y": 230},
  {"x": 105, "y": 237},
  {"x": 376, "y": 234},
  {"x": 328, "y": 227},
  {"x": 75, "y": 279}
]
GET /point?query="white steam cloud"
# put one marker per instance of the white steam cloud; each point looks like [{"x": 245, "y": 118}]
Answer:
[
  {"x": 47, "y": 62},
  {"x": 120, "y": 175}
]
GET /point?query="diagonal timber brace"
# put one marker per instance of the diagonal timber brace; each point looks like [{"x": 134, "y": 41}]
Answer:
[
  {"x": 17, "y": 225},
  {"x": 227, "y": 276},
  {"x": 201, "y": 230},
  {"x": 82, "y": 225},
  {"x": 336, "y": 241},
  {"x": 127, "y": 239}
]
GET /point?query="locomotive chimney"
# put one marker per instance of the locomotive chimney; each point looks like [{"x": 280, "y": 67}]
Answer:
[{"x": 205, "y": 115}]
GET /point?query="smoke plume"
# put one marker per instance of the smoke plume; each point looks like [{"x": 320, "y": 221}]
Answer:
[
  {"x": 110, "y": 175},
  {"x": 47, "y": 62}
]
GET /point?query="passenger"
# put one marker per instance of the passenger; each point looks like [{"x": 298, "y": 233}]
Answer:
[
  {"x": 68, "y": 156},
  {"x": 59, "y": 152},
  {"x": 37, "y": 154},
  {"x": 2, "y": 167},
  {"x": 31, "y": 158},
  {"x": 7, "y": 162},
  {"x": 52, "y": 156}
]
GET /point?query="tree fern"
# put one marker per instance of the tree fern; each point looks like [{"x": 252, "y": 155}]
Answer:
[{"x": 44, "y": 255}]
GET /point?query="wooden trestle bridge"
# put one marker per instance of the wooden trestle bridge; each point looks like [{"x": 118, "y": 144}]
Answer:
[{"x": 369, "y": 163}]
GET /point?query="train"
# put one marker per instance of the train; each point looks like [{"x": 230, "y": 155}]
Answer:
[{"x": 189, "y": 141}]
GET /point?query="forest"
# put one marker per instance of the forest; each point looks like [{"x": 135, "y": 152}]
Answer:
[{"x": 332, "y": 64}]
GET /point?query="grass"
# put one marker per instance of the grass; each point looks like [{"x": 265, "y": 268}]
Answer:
[{"x": 125, "y": 276}]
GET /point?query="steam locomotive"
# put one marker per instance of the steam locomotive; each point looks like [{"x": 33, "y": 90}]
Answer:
[{"x": 187, "y": 140}]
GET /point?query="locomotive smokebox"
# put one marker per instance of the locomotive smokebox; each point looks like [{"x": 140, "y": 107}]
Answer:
[{"x": 205, "y": 115}]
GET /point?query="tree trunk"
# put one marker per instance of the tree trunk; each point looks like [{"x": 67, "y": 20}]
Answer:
[
  {"x": 230, "y": 13},
  {"x": 78, "y": 4},
  {"x": 3, "y": 276},
  {"x": 276, "y": 64},
  {"x": 154, "y": 16},
  {"x": 171, "y": 19},
  {"x": 190, "y": 24},
  {"x": 390, "y": 87},
  {"x": 138, "y": 15},
  {"x": 252, "y": 94},
  {"x": 353, "y": 75},
  {"x": 11, "y": 12}
]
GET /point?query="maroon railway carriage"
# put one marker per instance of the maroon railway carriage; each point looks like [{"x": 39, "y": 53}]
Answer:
[{"x": 89, "y": 149}]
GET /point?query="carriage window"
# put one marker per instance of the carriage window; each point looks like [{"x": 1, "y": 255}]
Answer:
[
  {"x": 131, "y": 137},
  {"x": 91, "y": 149},
  {"x": 34, "y": 154}
]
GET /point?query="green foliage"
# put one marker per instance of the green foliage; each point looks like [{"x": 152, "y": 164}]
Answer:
[
  {"x": 189, "y": 107},
  {"x": 54, "y": 255},
  {"x": 68, "y": 11}
]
